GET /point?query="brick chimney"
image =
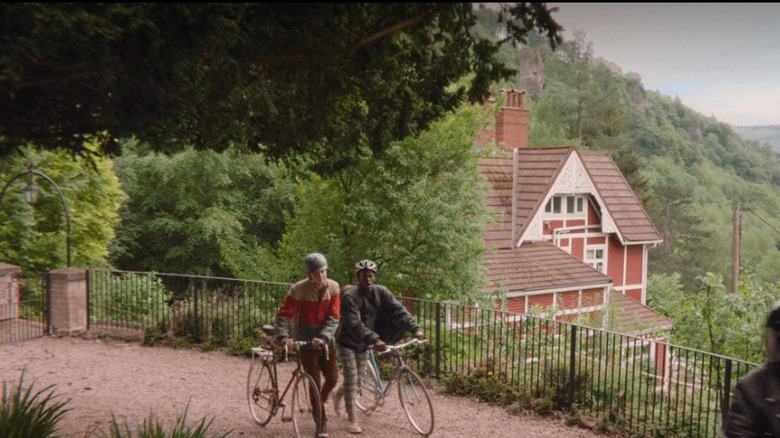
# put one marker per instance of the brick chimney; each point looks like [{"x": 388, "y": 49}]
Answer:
[{"x": 511, "y": 126}]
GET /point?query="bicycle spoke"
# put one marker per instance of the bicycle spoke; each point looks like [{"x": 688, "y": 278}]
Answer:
[
  {"x": 368, "y": 389},
  {"x": 261, "y": 394},
  {"x": 305, "y": 406},
  {"x": 415, "y": 401}
]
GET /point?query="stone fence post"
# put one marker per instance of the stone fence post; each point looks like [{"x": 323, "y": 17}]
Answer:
[
  {"x": 9, "y": 291},
  {"x": 68, "y": 301}
]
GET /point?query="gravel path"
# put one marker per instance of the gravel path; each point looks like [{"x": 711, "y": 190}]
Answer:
[{"x": 132, "y": 382}]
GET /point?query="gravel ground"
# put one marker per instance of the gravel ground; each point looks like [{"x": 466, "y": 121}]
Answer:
[{"x": 133, "y": 382}]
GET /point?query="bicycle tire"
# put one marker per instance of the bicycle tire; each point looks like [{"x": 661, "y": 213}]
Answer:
[
  {"x": 367, "y": 398},
  {"x": 305, "y": 406},
  {"x": 415, "y": 401},
  {"x": 260, "y": 392}
]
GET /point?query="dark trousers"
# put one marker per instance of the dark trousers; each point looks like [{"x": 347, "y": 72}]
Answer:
[{"x": 317, "y": 366}]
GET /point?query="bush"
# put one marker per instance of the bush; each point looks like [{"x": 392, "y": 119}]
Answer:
[{"x": 28, "y": 414}]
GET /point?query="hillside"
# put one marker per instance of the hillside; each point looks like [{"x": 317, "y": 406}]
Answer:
[
  {"x": 689, "y": 170},
  {"x": 765, "y": 134}
]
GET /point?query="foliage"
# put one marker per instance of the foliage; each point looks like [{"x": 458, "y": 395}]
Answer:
[
  {"x": 418, "y": 212},
  {"x": 153, "y": 428},
  {"x": 28, "y": 414},
  {"x": 200, "y": 212},
  {"x": 130, "y": 298},
  {"x": 713, "y": 319},
  {"x": 485, "y": 385},
  {"x": 278, "y": 77},
  {"x": 35, "y": 237}
]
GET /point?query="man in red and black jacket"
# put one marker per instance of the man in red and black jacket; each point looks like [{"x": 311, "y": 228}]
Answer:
[{"x": 314, "y": 304}]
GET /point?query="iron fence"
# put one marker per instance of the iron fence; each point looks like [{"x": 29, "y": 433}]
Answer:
[
  {"x": 23, "y": 307},
  {"x": 648, "y": 387},
  {"x": 182, "y": 305}
]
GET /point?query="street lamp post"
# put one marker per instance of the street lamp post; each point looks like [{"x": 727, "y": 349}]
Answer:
[{"x": 31, "y": 196}]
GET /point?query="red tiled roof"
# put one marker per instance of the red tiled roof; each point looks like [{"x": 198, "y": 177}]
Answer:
[
  {"x": 634, "y": 317},
  {"x": 498, "y": 172},
  {"x": 537, "y": 169},
  {"x": 536, "y": 266},
  {"x": 632, "y": 222}
]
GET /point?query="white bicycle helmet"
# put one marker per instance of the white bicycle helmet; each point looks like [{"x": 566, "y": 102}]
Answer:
[{"x": 365, "y": 265}]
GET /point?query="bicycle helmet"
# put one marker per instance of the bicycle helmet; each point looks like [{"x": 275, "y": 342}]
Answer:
[
  {"x": 365, "y": 265},
  {"x": 315, "y": 262}
]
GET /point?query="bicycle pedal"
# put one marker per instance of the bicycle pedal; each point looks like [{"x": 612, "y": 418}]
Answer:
[{"x": 286, "y": 419}]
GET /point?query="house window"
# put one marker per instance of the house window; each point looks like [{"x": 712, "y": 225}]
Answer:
[
  {"x": 575, "y": 205},
  {"x": 553, "y": 205},
  {"x": 594, "y": 256}
]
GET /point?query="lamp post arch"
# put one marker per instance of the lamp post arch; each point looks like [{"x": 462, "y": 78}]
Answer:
[{"x": 30, "y": 195}]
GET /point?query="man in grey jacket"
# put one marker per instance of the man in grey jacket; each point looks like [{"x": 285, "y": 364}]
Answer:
[
  {"x": 755, "y": 406},
  {"x": 370, "y": 316}
]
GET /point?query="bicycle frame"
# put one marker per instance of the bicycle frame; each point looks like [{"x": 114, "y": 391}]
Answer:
[
  {"x": 275, "y": 379},
  {"x": 383, "y": 390},
  {"x": 265, "y": 399}
]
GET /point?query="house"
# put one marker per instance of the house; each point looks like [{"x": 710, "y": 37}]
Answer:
[{"x": 570, "y": 235}]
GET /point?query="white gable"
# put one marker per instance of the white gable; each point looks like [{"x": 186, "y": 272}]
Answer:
[{"x": 572, "y": 180}]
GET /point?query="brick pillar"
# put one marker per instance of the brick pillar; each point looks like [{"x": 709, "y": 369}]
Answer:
[
  {"x": 68, "y": 301},
  {"x": 9, "y": 291}
]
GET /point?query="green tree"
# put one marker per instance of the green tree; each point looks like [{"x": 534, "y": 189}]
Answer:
[
  {"x": 200, "y": 212},
  {"x": 284, "y": 79},
  {"x": 34, "y": 237},
  {"x": 714, "y": 319},
  {"x": 418, "y": 212}
]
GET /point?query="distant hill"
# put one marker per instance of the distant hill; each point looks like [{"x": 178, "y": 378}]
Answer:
[{"x": 764, "y": 134}]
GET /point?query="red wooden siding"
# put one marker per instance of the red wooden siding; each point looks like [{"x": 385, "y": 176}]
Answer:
[
  {"x": 635, "y": 267},
  {"x": 615, "y": 261},
  {"x": 543, "y": 301}
]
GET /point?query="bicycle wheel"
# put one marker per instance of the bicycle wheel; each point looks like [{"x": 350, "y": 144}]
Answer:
[
  {"x": 415, "y": 401},
  {"x": 260, "y": 392},
  {"x": 368, "y": 397},
  {"x": 305, "y": 406}
]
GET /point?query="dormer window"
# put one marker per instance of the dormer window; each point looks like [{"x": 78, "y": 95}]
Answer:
[{"x": 575, "y": 205}]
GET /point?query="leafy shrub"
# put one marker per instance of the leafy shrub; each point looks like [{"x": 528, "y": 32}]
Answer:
[
  {"x": 486, "y": 385},
  {"x": 28, "y": 414},
  {"x": 238, "y": 346},
  {"x": 152, "y": 428}
]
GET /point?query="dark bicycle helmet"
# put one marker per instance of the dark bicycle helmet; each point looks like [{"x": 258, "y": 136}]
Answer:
[
  {"x": 315, "y": 262},
  {"x": 365, "y": 265}
]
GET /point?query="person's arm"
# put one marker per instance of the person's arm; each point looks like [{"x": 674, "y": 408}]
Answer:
[
  {"x": 397, "y": 313},
  {"x": 289, "y": 308},
  {"x": 333, "y": 316}
]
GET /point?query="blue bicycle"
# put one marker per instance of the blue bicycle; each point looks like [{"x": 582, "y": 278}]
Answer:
[{"x": 414, "y": 398}]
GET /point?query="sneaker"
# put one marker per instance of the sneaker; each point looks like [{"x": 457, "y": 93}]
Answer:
[
  {"x": 354, "y": 427},
  {"x": 323, "y": 433}
]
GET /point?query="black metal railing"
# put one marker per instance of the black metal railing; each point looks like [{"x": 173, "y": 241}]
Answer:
[
  {"x": 182, "y": 305},
  {"x": 23, "y": 307},
  {"x": 648, "y": 387}
]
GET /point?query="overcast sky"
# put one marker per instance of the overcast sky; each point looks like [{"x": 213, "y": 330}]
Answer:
[{"x": 721, "y": 59}]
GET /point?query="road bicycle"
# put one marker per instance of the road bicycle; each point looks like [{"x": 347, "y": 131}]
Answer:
[
  {"x": 372, "y": 389},
  {"x": 265, "y": 398}
]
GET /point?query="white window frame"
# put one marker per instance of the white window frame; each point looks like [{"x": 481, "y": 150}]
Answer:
[
  {"x": 579, "y": 203},
  {"x": 590, "y": 256}
]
